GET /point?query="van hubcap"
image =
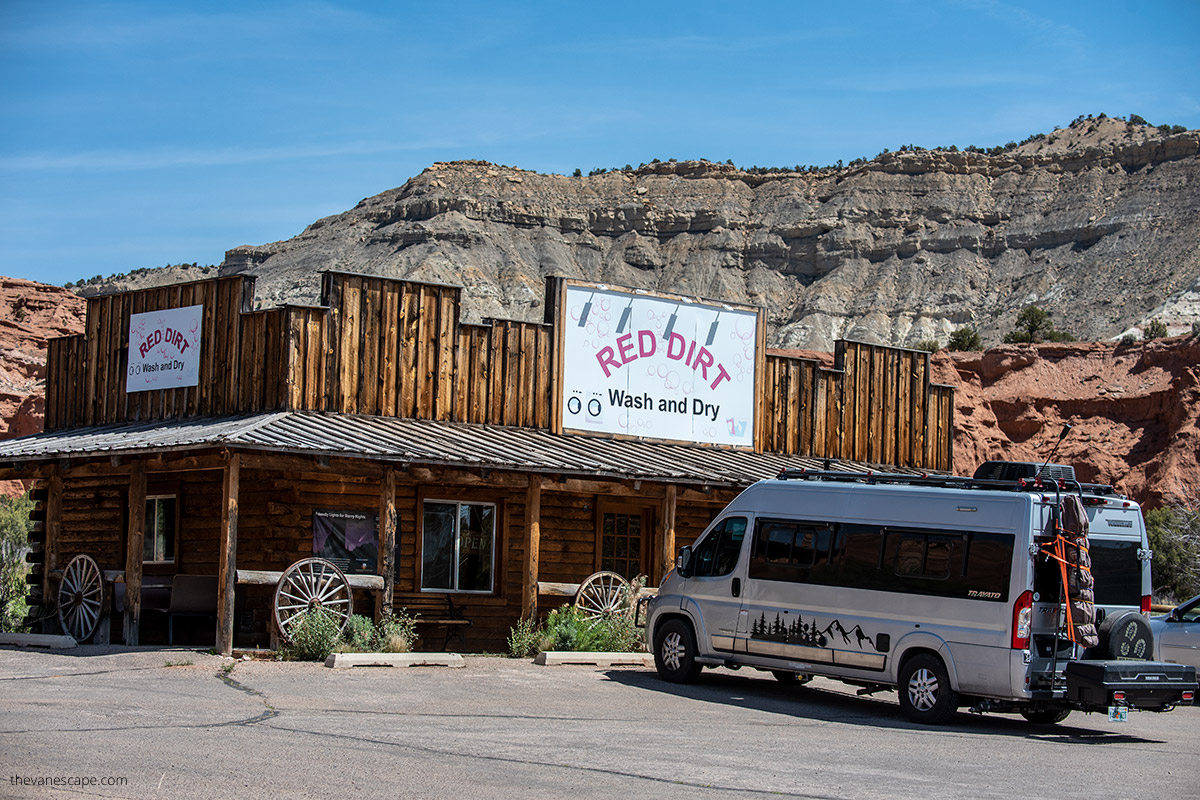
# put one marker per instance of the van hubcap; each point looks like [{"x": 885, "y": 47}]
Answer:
[
  {"x": 672, "y": 650},
  {"x": 923, "y": 689}
]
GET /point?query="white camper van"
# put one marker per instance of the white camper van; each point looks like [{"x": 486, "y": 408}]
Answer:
[{"x": 932, "y": 584}]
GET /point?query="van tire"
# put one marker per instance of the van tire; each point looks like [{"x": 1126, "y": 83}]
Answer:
[
  {"x": 1045, "y": 716},
  {"x": 1126, "y": 636},
  {"x": 675, "y": 652},
  {"x": 925, "y": 693}
]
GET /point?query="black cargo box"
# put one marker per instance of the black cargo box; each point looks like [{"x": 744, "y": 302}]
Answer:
[{"x": 1146, "y": 684}]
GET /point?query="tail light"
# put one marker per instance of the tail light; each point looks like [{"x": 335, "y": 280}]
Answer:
[
  {"x": 1022, "y": 621},
  {"x": 1146, "y": 604},
  {"x": 1118, "y": 697},
  {"x": 1188, "y": 696}
]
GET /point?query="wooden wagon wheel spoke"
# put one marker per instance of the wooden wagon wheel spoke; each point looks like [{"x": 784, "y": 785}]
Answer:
[
  {"x": 601, "y": 594},
  {"x": 80, "y": 597},
  {"x": 308, "y": 585}
]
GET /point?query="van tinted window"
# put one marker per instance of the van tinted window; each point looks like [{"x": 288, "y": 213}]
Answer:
[
  {"x": 788, "y": 550},
  {"x": 944, "y": 563},
  {"x": 1117, "y": 572},
  {"x": 718, "y": 554}
]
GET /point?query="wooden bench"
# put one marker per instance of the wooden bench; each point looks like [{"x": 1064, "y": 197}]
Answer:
[{"x": 430, "y": 608}]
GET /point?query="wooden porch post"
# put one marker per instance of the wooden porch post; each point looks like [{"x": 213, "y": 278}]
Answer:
[
  {"x": 135, "y": 537},
  {"x": 533, "y": 541},
  {"x": 54, "y": 498},
  {"x": 227, "y": 571},
  {"x": 667, "y": 560},
  {"x": 387, "y": 543}
]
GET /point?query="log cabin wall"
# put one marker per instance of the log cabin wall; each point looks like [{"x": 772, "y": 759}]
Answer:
[{"x": 394, "y": 348}]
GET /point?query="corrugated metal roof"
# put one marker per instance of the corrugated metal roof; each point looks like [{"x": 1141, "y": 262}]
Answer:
[{"x": 422, "y": 442}]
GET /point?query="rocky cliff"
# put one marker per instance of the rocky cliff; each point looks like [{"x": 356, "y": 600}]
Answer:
[
  {"x": 1134, "y": 411},
  {"x": 30, "y": 313},
  {"x": 1098, "y": 223}
]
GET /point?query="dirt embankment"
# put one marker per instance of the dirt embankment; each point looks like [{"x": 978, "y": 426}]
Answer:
[
  {"x": 1133, "y": 411},
  {"x": 30, "y": 313}
]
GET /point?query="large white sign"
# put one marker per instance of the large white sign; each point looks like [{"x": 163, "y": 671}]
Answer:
[
  {"x": 658, "y": 368},
  {"x": 164, "y": 349}
]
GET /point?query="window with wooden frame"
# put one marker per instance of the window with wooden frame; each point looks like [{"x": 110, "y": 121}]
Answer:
[
  {"x": 458, "y": 546},
  {"x": 161, "y": 524},
  {"x": 623, "y": 538}
]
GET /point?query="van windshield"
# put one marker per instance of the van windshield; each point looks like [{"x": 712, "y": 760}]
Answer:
[{"x": 1117, "y": 572}]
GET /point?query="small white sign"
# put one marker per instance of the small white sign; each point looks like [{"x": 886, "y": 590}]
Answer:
[
  {"x": 164, "y": 349},
  {"x": 657, "y": 367}
]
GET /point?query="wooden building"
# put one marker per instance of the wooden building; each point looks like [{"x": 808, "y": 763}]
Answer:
[{"x": 379, "y": 416}]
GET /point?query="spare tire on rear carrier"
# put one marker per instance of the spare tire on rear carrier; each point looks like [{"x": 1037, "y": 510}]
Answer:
[{"x": 1124, "y": 636}]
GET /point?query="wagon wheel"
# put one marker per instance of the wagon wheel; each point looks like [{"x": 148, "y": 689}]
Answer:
[
  {"x": 309, "y": 584},
  {"x": 80, "y": 597},
  {"x": 601, "y": 594}
]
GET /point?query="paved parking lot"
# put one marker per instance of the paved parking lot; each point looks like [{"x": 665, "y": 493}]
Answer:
[{"x": 110, "y": 722}]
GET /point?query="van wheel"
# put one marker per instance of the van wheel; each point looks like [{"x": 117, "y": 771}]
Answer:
[
  {"x": 1126, "y": 635},
  {"x": 1045, "y": 716},
  {"x": 925, "y": 693},
  {"x": 675, "y": 652}
]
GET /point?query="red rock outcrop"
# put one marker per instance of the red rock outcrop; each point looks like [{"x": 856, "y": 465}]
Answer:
[
  {"x": 1133, "y": 410},
  {"x": 30, "y": 313}
]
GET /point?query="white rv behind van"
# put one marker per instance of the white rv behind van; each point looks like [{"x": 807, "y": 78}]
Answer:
[{"x": 932, "y": 585}]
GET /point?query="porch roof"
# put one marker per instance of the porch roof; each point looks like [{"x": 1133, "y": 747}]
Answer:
[{"x": 428, "y": 442}]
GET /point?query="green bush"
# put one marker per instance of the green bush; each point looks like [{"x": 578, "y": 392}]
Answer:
[
  {"x": 966, "y": 339},
  {"x": 313, "y": 638},
  {"x": 1034, "y": 326},
  {"x": 1174, "y": 534},
  {"x": 569, "y": 629},
  {"x": 524, "y": 638},
  {"x": 359, "y": 635},
  {"x": 14, "y": 544},
  {"x": 1155, "y": 329},
  {"x": 928, "y": 345},
  {"x": 1128, "y": 340},
  {"x": 316, "y": 635},
  {"x": 396, "y": 633}
]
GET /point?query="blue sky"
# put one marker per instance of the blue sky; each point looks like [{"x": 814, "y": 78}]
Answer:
[{"x": 141, "y": 134}]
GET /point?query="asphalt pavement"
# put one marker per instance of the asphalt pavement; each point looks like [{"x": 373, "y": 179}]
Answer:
[{"x": 154, "y": 722}]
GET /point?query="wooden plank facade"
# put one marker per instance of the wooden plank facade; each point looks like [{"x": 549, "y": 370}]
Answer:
[
  {"x": 398, "y": 349},
  {"x": 389, "y": 348}
]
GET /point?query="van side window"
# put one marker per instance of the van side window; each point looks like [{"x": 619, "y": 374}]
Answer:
[
  {"x": 922, "y": 555},
  {"x": 717, "y": 555},
  {"x": 788, "y": 550}
]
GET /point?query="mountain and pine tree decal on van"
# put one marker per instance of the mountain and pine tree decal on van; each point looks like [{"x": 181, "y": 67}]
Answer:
[{"x": 808, "y": 634}]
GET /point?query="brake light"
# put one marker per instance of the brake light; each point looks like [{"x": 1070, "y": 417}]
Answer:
[
  {"x": 1022, "y": 621},
  {"x": 1146, "y": 604},
  {"x": 1188, "y": 696},
  {"x": 1118, "y": 697}
]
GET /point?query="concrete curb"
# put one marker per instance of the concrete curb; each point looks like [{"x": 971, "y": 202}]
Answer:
[
  {"x": 38, "y": 640},
  {"x": 560, "y": 658},
  {"x": 347, "y": 660}
]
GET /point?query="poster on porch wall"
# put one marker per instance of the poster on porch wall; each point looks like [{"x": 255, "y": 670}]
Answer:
[
  {"x": 658, "y": 367},
  {"x": 349, "y": 539},
  {"x": 164, "y": 349}
]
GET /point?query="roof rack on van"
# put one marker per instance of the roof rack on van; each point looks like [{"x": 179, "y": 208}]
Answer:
[{"x": 948, "y": 481}]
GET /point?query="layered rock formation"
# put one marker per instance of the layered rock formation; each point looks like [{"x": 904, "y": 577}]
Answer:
[
  {"x": 30, "y": 313},
  {"x": 1134, "y": 411},
  {"x": 1098, "y": 223}
]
